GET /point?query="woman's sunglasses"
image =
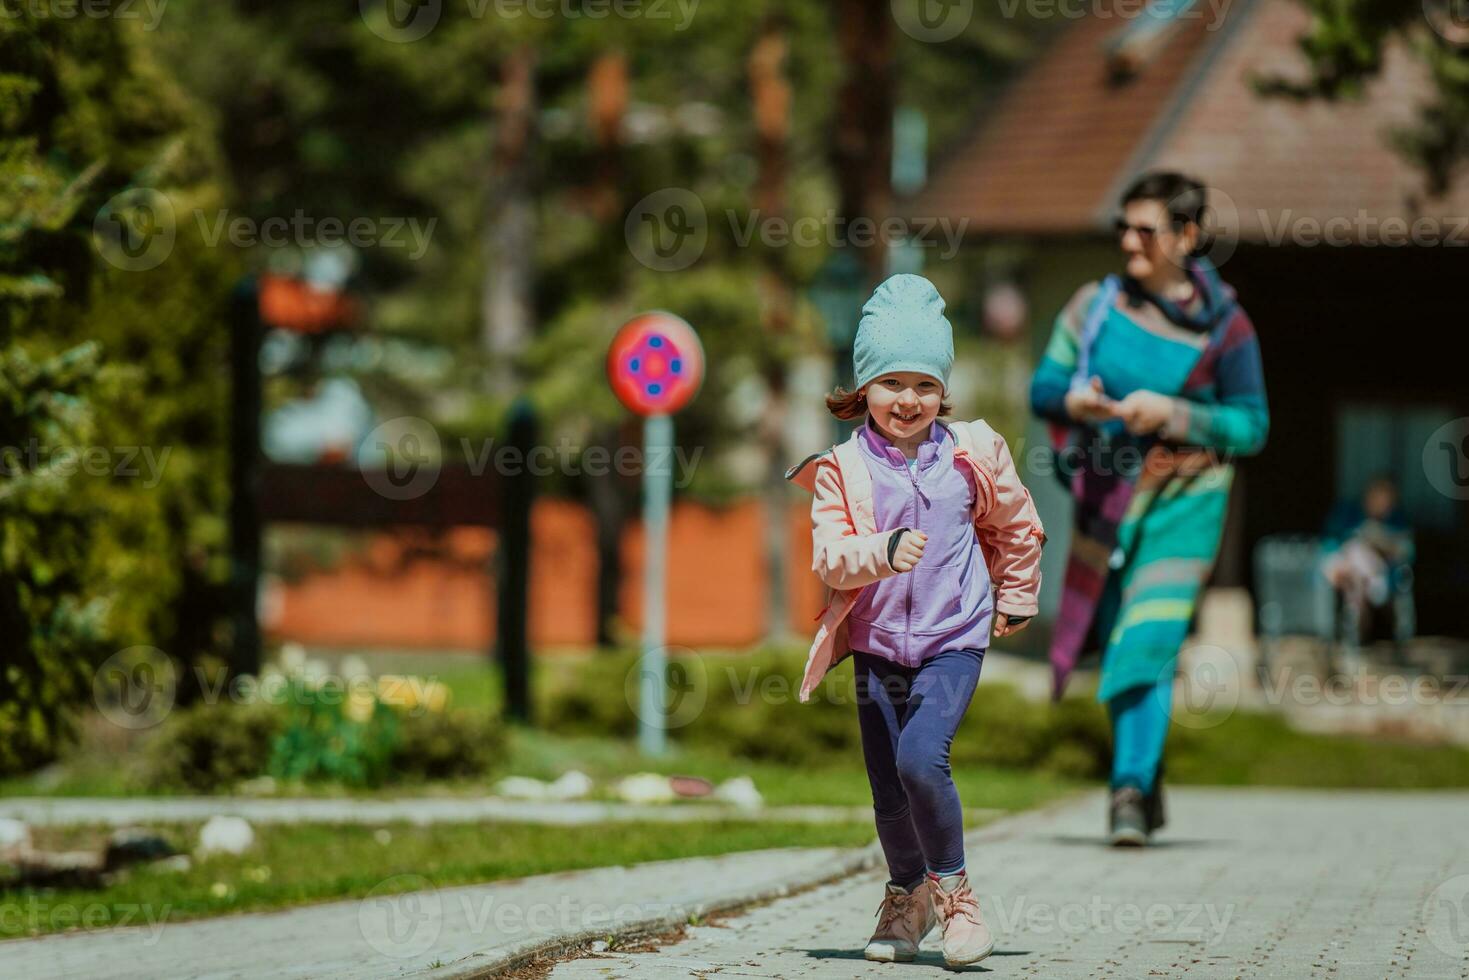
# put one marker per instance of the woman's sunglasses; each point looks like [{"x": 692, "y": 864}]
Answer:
[{"x": 1145, "y": 232}]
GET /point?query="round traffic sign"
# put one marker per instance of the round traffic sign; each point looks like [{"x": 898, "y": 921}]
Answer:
[{"x": 655, "y": 363}]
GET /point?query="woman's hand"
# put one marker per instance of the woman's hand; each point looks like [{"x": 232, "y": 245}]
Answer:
[
  {"x": 1144, "y": 412},
  {"x": 909, "y": 551},
  {"x": 1089, "y": 404},
  {"x": 1003, "y": 626}
]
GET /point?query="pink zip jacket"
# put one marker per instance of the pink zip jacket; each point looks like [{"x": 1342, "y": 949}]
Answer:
[{"x": 850, "y": 552}]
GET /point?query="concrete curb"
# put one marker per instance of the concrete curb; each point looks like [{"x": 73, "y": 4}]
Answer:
[{"x": 486, "y": 965}]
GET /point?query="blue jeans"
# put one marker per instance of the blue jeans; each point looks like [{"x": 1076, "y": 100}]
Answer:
[
  {"x": 1139, "y": 729},
  {"x": 908, "y": 716}
]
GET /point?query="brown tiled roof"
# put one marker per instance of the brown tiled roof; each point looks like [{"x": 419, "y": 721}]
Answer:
[{"x": 1052, "y": 156}]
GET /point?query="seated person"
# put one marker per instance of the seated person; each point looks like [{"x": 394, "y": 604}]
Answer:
[{"x": 1369, "y": 551}]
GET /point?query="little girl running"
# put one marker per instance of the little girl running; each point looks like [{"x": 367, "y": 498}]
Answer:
[{"x": 928, "y": 542}]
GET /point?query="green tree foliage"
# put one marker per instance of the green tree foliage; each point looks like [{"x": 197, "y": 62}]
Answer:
[
  {"x": 1346, "y": 46},
  {"x": 111, "y": 378},
  {"x": 332, "y": 110}
]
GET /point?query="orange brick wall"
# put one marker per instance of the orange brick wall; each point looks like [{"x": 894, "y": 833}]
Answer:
[{"x": 409, "y": 589}]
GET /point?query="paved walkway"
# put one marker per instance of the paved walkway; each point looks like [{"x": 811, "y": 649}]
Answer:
[
  {"x": 1244, "y": 884},
  {"x": 120, "y": 812}
]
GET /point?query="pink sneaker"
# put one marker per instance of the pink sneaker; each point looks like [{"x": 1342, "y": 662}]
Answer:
[
  {"x": 904, "y": 918},
  {"x": 966, "y": 938}
]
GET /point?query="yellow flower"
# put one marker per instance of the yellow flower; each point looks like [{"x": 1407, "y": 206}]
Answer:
[
  {"x": 360, "y": 703},
  {"x": 395, "y": 690},
  {"x": 436, "y": 696}
]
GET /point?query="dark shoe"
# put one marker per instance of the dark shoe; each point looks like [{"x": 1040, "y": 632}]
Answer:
[
  {"x": 1153, "y": 805},
  {"x": 1128, "y": 824}
]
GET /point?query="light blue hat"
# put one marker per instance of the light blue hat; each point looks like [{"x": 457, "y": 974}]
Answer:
[{"x": 903, "y": 328}]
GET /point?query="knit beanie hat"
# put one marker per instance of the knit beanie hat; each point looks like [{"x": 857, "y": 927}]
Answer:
[{"x": 903, "y": 328}]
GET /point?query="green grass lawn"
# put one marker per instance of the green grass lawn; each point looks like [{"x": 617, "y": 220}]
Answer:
[
  {"x": 296, "y": 865},
  {"x": 293, "y": 865}
]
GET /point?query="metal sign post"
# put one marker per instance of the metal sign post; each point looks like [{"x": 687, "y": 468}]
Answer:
[
  {"x": 655, "y": 365},
  {"x": 657, "y": 490}
]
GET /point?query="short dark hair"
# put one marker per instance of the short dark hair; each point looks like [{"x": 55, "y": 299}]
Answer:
[{"x": 1185, "y": 198}]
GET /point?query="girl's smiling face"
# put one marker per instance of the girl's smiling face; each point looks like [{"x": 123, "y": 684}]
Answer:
[{"x": 904, "y": 403}]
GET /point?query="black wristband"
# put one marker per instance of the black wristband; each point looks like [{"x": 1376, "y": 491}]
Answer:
[{"x": 893, "y": 545}]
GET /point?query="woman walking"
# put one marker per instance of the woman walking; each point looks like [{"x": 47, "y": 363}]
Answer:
[{"x": 1152, "y": 382}]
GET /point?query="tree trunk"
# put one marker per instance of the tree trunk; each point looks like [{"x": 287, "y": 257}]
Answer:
[
  {"x": 607, "y": 95},
  {"x": 771, "y": 94},
  {"x": 862, "y": 147},
  {"x": 611, "y": 497},
  {"x": 510, "y": 223}
]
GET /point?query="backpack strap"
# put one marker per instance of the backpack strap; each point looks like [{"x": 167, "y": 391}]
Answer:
[
  {"x": 857, "y": 482},
  {"x": 1091, "y": 327}
]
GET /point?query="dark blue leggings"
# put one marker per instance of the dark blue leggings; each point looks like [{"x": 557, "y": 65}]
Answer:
[{"x": 908, "y": 716}]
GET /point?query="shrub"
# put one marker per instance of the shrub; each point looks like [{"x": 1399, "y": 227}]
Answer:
[
  {"x": 210, "y": 747},
  {"x": 750, "y": 710},
  {"x": 448, "y": 745},
  {"x": 347, "y": 738}
]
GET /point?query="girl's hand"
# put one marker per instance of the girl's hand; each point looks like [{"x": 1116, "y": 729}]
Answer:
[
  {"x": 909, "y": 551},
  {"x": 1089, "y": 404},
  {"x": 1003, "y": 626},
  {"x": 1144, "y": 412}
]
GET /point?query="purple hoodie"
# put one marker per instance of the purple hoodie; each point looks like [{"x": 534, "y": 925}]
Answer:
[{"x": 945, "y": 603}]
